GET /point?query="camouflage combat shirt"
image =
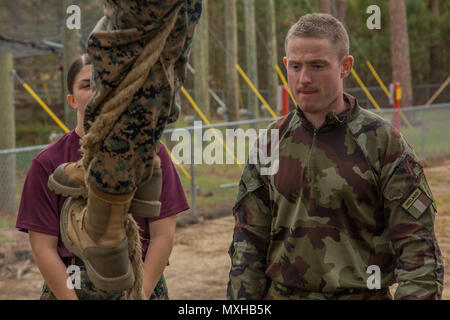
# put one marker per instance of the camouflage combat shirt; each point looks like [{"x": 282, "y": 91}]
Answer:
[{"x": 349, "y": 198}]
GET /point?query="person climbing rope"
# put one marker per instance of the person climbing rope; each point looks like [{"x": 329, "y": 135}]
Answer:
[
  {"x": 139, "y": 51},
  {"x": 39, "y": 213}
]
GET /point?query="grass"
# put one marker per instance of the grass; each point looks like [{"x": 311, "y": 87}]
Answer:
[
  {"x": 443, "y": 202},
  {"x": 34, "y": 133},
  {"x": 436, "y": 132},
  {"x": 3, "y": 238},
  {"x": 208, "y": 179},
  {"x": 436, "y": 179},
  {"x": 7, "y": 222}
]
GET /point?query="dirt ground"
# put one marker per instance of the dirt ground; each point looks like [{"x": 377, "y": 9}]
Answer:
[{"x": 199, "y": 263}]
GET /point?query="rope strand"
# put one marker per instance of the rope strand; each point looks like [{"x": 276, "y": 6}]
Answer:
[{"x": 135, "y": 254}]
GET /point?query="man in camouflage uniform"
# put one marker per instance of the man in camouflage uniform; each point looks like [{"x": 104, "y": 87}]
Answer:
[
  {"x": 139, "y": 51},
  {"x": 349, "y": 212}
]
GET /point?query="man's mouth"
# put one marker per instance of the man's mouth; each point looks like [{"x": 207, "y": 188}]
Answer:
[{"x": 307, "y": 91}]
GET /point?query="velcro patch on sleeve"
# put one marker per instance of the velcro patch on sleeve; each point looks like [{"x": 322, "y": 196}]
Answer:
[{"x": 417, "y": 202}]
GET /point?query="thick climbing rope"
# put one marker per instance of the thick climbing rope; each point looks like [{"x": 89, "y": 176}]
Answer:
[{"x": 135, "y": 255}]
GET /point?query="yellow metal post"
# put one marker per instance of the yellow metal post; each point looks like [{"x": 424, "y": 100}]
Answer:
[
  {"x": 177, "y": 163},
  {"x": 361, "y": 84},
  {"x": 283, "y": 80},
  {"x": 260, "y": 97},
  {"x": 377, "y": 77},
  {"x": 45, "y": 107},
  {"x": 205, "y": 120},
  {"x": 438, "y": 91},
  {"x": 386, "y": 91}
]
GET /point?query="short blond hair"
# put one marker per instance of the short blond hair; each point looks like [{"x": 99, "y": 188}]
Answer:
[{"x": 322, "y": 26}]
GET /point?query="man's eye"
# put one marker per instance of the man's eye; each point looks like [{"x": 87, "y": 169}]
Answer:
[{"x": 318, "y": 66}]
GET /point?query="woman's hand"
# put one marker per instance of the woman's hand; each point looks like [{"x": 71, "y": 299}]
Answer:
[
  {"x": 52, "y": 268},
  {"x": 161, "y": 242}
]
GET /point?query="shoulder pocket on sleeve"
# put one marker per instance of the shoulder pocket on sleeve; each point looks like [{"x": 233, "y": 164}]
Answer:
[
  {"x": 247, "y": 185},
  {"x": 403, "y": 180}
]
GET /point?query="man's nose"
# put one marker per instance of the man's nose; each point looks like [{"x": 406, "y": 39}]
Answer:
[{"x": 305, "y": 76}]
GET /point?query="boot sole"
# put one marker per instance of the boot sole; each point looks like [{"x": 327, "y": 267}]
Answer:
[
  {"x": 66, "y": 191},
  {"x": 123, "y": 282}
]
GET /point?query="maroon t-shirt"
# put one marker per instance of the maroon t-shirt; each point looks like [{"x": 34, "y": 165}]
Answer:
[{"x": 40, "y": 207}]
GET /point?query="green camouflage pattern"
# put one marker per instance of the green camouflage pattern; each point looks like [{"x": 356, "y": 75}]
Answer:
[
  {"x": 116, "y": 43},
  {"x": 333, "y": 209},
  {"x": 88, "y": 291}
]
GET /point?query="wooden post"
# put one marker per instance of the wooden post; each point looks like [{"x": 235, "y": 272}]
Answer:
[
  {"x": 7, "y": 136},
  {"x": 70, "y": 52},
  {"x": 232, "y": 100},
  {"x": 272, "y": 77},
  {"x": 251, "y": 58},
  {"x": 200, "y": 54}
]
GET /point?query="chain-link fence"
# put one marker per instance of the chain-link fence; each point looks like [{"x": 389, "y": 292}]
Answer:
[
  {"x": 425, "y": 127},
  {"x": 14, "y": 165}
]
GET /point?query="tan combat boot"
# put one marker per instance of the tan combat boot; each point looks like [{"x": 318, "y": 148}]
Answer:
[
  {"x": 146, "y": 202},
  {"x": 68, "y": 180},
  {"x": 96, "y": 234}
]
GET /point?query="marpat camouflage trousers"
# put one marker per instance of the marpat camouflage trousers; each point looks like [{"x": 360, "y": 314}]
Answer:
[
  {"x": 88, "y": 291},
  {"x": 139, "y": 51}
]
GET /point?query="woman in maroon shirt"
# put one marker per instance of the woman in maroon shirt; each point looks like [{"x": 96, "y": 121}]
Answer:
[{"x": 39, "y": 210}]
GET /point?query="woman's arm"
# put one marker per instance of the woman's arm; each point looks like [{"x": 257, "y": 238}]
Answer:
[
  {"x": 52, "y": 268},
  {"x": 161, "y": 243}
]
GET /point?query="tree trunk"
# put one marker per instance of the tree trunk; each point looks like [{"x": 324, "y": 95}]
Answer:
[
  {"x": 272, "y": 77},
  {"x": 252, "y": 62},
  {"x": 200, "y": 58},
  {"x": 8, "y": 136},
  {"x": 325, "y": 6},
  {"x": 341, "y": 10},
  {"x": 434, "y": 39},
  {"x": 232, "y": 100},
  {"x": 70, "y": 52},
  {"x": 401, "y": 67},
  {"x": 16, "y": 12}
]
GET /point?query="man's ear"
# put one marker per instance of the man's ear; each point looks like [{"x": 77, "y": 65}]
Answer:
[
  {"x": 285, "y": 61},
  {"x": 71, "y": 101},
  {"x": 347, "y": 65}
]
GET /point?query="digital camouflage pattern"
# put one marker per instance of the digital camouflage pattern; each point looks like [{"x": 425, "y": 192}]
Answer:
[
  {"x": 159, "y": 33},
  {"x": 88, "y": 291},
  {"x": 348, "y": 195}
]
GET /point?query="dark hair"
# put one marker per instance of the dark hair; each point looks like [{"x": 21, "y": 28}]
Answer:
[{"x": 75, "y": 69}]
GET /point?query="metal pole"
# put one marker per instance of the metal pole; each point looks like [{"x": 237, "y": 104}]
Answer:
[
  {"x": 8, "y": 136},
  {"x": 193, "y": 204},
  {"x": 423, "y": 133}
]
